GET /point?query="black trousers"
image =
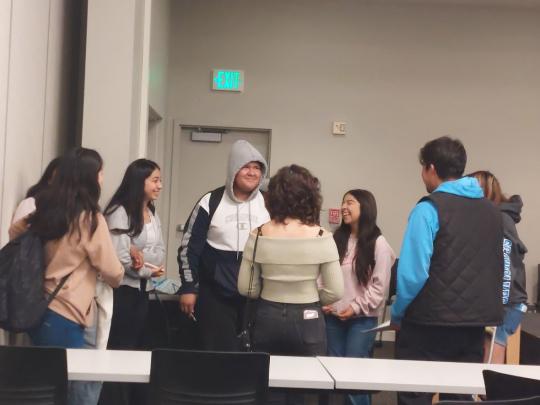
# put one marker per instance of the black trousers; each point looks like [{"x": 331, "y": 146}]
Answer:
[
  {"x": 438, "y": 343},
  {"x": 130, "y": 310},
  {"x": 289, "y": 329},
  {"x": 219, "y": 319}
]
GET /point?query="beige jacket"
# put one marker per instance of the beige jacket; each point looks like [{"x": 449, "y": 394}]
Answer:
[{"x": 83, "y": 258}]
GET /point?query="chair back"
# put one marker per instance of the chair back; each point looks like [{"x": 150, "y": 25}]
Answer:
[
  {"x": 518, "y": 401},
  {"x": 33, "y": 375},
  {"x": 393, "y": 280},
  {"x": 183, "y": 377},
  {"x": 504, "y": 386}
]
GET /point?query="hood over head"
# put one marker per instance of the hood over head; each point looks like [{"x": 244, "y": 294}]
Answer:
[
  {"x": 512, "y": 207},
  {"x": 242, "y": 152}
]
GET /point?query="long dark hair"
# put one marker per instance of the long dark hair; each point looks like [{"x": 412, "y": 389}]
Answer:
[
  {"x": 368, "y": 232},
  {"x": 74, "y": 190},
  {"x": 45, "y": 179},
  {"x": 130, "y": 195}
]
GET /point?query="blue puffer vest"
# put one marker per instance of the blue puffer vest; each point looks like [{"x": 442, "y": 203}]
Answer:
[{"x": 464, "y": 287}]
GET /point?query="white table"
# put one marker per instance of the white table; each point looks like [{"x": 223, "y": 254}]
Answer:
[
  {"x": 299, "y": 372},
  {"x": 416, "y": 376},
  {"x": 109, "y": 365},
  {"x": 134, "y": 366}
]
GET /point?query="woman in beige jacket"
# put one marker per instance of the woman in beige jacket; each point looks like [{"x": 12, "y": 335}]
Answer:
[{"x": 77, "y": 247}]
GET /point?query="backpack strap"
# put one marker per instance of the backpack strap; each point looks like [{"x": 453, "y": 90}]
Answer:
[
  {"x": 215, "y": 198},
  {"x": 57, "y": 289}
]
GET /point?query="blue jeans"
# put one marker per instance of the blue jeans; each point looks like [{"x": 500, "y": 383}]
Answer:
[
  {"x": 87, "y": 392},
  {"x": 57, "y": 331},
  {"x": 347, "y": 339}
]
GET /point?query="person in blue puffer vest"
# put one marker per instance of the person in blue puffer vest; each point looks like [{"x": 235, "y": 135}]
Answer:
[{"x": 449, "y": 277}]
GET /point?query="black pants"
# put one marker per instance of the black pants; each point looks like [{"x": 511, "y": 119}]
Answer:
[
  {"x": 289, "y": 329},
  {"x": 130, "y": 310},
  {"x": 219, "y": 319},
  {"x": 438, "y": 343}
]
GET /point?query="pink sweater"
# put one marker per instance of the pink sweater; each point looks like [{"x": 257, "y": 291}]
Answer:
[{"x": 366, "y": 300}]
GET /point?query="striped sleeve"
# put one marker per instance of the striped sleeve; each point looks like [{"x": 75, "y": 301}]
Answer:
[{"x": 192, "y": 246}]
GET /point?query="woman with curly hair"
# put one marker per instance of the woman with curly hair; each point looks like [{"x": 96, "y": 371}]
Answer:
[{"x": 290, "y": 253}]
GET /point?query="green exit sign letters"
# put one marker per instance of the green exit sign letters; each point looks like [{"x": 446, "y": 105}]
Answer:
[{"x": 227, "y": 80}]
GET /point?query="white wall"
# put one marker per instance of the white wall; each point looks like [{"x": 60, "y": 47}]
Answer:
[
  {"x": 399, "y": 74},
  {"x": 36, "y": 94},
  {"x": 115, "y": 113},
  {"x": 35, "y": 78},
  {"x": 159, "y": 55},
  {"x": 159, "y": 130}
]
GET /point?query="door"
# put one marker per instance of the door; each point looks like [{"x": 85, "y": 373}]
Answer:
[{"x": 199, "y": 167}]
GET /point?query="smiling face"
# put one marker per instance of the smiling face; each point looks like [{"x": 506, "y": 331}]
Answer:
[
  {"x": 350, "y": 210},
  {"x": 152, "y": 186},
  {"x": 247, "y": 179}
]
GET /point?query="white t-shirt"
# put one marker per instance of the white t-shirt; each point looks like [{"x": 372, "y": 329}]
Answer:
[{"x": 25, "y": 207}]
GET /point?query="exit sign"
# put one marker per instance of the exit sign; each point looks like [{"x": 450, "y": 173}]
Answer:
[{"x": 227, "y": 80}]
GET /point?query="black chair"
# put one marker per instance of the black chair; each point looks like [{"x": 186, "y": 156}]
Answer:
[
  {"x": 183, "y": 377},
  {"x": 517, "y": 401},
  {"x": 390, "y": 299},
  {"x": 33, "y": 375},
  {"x": 501, "y": 386}
]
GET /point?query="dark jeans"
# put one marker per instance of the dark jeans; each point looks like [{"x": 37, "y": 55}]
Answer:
[
  {"x": 130, "y": 310},
  {"x": 219, "y": 319},
  {"x": 289, "y": 329},
  {"x": 438, "y": 343}
]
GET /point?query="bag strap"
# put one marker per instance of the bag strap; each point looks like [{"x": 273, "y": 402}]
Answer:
[
  {"x": 57, "y": 289},
  {"x": 248, "y": 318},
  {"x": 252, "y": 270},
  {"x": 215, "y": 198}
]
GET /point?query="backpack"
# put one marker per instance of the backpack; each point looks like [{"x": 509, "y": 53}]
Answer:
[
  {"x": 215, "y": 198},
  {"x": 23, "y": 301}
]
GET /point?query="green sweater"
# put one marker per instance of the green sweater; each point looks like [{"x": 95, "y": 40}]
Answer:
[{"x": 290, "y": 267}]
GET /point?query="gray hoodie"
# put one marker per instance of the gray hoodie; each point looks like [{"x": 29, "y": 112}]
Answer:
[
  {"x": 242, "y": 152},
  {"x": 211, "y": 248},
  {"x": 514, "y": 250}
]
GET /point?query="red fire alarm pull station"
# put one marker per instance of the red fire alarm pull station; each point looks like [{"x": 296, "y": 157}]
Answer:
[{"x": 333, "y": 215}]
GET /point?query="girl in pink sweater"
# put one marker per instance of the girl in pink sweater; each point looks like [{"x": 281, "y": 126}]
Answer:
[{"x": 366, "y": 259}]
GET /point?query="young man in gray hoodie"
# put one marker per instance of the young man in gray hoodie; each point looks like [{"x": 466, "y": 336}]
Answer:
[{"x": 210, "y": 253}]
